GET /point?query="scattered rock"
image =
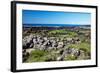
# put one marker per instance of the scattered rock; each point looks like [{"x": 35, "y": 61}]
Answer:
[{"x": 60, "y": 58}]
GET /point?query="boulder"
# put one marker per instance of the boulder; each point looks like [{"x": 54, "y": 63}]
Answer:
[
  {"x": 60, "y": 58},
  {"x": 60, "y": 45},
  {"x": 27, "y": 41}
]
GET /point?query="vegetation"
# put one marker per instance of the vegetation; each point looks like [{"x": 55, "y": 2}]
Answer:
[
  {"x": 70, "y": 57},
  {"x": 67, "y": 36},
  {"x": 61, "y": 33},
  {"x": 37, "y": 55},
  {"x": 82, "y": 46}
]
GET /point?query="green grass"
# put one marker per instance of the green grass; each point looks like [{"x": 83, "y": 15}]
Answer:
[
  {"x": 57, "y": 31},
  {"x": 37, "y": 56},
  {"x": 70, "y": 57},
  {"x": 61, "y": 33},
  {"x": 82, "y": 46},
  {"x": 41, "y": 56}
]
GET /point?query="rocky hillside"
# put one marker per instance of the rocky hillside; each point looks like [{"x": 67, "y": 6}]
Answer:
[{"x": 55, "y": 46}]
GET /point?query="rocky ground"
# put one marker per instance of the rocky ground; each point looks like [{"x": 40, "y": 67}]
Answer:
[{"x": 39, "y": 48}]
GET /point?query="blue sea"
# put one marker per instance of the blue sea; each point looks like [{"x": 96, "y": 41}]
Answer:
[{"x": 53, "y": 25}]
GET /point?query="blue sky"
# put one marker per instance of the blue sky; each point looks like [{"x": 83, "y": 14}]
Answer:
[{"x": 53, "y": 17}]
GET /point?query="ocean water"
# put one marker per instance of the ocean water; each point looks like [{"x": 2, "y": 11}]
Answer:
[{"x": 54, "y": 25}]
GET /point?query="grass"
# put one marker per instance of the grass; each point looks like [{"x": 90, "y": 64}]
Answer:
[
  {"x": 82, "y": 46},
  {"x": 70, "y": 57},
  {"x": 37, "y": 56},
  {"x": 61, "y": 33},
  {"x": 57, "y": 31},
  {"x": 41, "y": 56}
]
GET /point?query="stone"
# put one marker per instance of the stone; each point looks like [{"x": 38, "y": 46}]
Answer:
[
  {"x": 60, "y": 58},
  {"x": 60, "y": 45}
]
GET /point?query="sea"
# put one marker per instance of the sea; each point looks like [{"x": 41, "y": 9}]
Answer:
[{"x": 56, "y": 25}]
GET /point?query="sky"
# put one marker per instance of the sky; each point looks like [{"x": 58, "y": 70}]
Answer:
[{"x": 55, "y": 17}]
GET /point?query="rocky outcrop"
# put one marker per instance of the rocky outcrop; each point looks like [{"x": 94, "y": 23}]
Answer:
[
  {"x": 33, "y": 42},
  {"x": 43, "y": 43}
]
